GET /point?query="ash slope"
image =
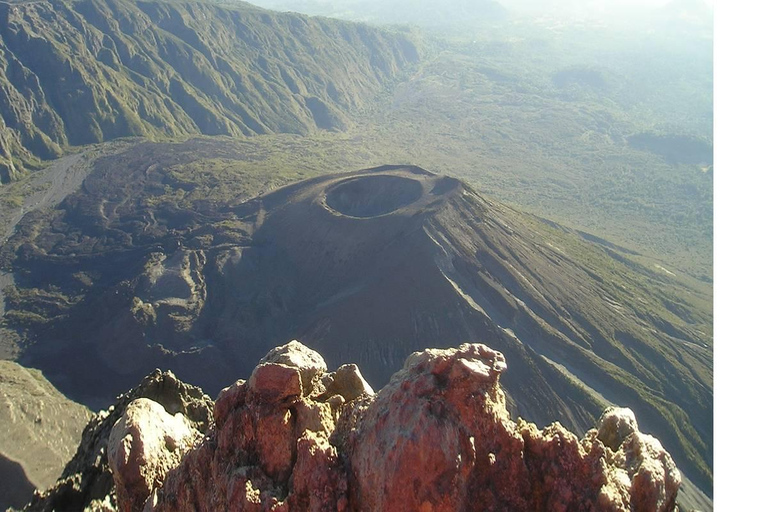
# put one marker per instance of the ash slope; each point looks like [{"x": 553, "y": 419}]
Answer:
[{"x": 368, "y": 267}]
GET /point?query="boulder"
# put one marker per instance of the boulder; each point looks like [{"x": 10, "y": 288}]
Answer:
[
  {"x": 269, "y": 447},
  {"x": 655, "y": 478},
  {"x": 640, "y": 463},
  {"x": 347, "y": 382},
  {"x": 145, "y": 443},
  {"x": 309, "y": 363},
  {"x": 271, "y": 383},
  {"x": 416, "y": 446},
  {"x": 615, "y": 425}
]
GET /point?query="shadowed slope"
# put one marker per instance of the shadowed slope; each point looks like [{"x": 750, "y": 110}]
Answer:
[
  {"x": 41, "y": 429},
  {"x": 15, "y": 487}
]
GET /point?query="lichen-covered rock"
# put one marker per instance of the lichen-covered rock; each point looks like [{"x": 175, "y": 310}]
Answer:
[
  {"x": 644, "y": 469},
  {"x": 271, "y": 382},
  {"x": 655, "y": 478},
  {"x": 416, "y": 446},
  {"x": 318, "y": 482},
  {"x": 269, "y": 447},
  {"x": 438, "y": 437},
  {"x": 145, "y": 443},
  {"x": 347, "y": 382}
]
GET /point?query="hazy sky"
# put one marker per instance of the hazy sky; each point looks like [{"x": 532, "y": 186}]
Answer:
[
  {"x": 605, "y": 3},
  {"x": 595, "y": 5},
  {"x": 611, "y": 11}
]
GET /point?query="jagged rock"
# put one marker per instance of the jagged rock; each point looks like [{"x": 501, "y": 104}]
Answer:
[
  {"x": 416, "y": 446},
  {"x": 615, "y": 425},
  {"x": 655, "y": 478},
  {"x": 347, "y": 382},
  {"x": 318, "y": 482},
  {"x": 144, "y": 444},
  {"x": 438, "y": 437},
  {"x": 87, "y": 483},
  {"x": 271, "y": 383},
  {"x": 267, "y": 431},
  {"x": 309, "y": 363},
  {"x": 641, "y": 464}
]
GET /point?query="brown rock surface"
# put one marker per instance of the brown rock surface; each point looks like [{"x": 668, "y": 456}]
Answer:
[
  {"x": 310, "y": 364},
  {"x": 438, "y": 437},
  {"x": 269, "y": 449},
  {"x": 145, "y": 443},
  {"x": 347, "y": 382}
]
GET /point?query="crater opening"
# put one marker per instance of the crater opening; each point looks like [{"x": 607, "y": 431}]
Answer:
[{"x": 372, "y": 196}]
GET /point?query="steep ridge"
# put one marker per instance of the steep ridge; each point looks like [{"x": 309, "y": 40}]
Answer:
[
  {"x": 41, "y": 430},
  {"x": 75, "y": 72},
  {"x": 366, "y": 267},
  {"x": 87, "y": 483}
]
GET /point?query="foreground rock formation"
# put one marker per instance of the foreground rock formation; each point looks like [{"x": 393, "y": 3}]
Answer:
[
  {"x": 87, "y": 481},
  {"x": 438, "y": 437}
]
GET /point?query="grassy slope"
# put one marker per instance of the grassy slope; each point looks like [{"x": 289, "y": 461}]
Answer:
[{"x": 601, "y": 123}]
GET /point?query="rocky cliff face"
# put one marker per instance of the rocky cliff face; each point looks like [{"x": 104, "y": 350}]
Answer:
[
  {"x": 438, "y": 437},
  {"x": 85, "y": 71}
]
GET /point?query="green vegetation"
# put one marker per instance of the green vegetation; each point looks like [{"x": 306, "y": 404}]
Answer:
[
  {"x": 618, "y": 316},
  {"x": 599, "y": 129},
  {"x": 492, "y": 112},
  {"x": 75, "y": 72}
]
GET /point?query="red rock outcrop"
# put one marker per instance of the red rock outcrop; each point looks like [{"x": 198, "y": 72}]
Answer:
[
  {"x": 145, "y": 443},
  {"x": 438, "y": 437}
]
